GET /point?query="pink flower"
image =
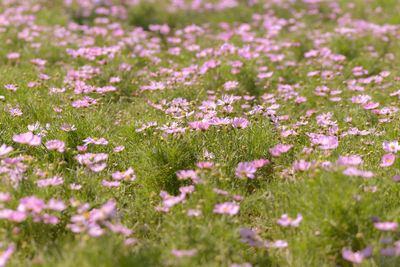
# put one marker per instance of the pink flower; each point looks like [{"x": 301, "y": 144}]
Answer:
[
  {"x": 386, "y": 226},
  {"x": 277, "y": 150},
  {"x": 4, "y": 149},
  {"x": 182, "y": 253},
  {"x": 328, "y": 142},
  {"x": 125, "y": 175},
  {"x": 195, "y": 213},
  {"x": 32, "y": 203},
  {"x": 356, "y": 257},
  {"x": 55, "y": 145},
  {"x": 75, "y": 186},
  {"x": 226, "y": 208},
  {"x": 230, "y": 85},
  {"x": 245, "y": 169},
  {"x": 50, "y": 181},
  {"x": 302, "y": 165},
  {"x": 240, "y": 123},
  {"x": 67, "y": 127},
  {"x": 199, "y": 125},
  {"x": 185, "y": 174},
  {"x": 353, "y": 171},
  {"x": 204, "y": 164},
  {"x": 387, "y": 160},
  {"x": 13, "y": 55},
  {"x": 96, "y": 141},
  {"x": 119, "y": 149},
  {"x": 27, "y": 138},
  {"x": 392, "y": 147},
  {"x": 275, "y": 244},
  {"x": 5, "y": 255},
  {"x": 258, "y": 163},
  {"x": 111, "y": 183},
  {"x": 351, "y": 160},
  {"x": 371, "y": 105},
  {"x": 285, "y": 220}
]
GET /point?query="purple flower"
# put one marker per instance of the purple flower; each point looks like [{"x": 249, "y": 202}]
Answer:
[
  {"x": 391, "y": 147},
  {"x": 387, "y": 160},
  {"x": 277, "y": 150},
  {"x": 55, "y": 145},
  {"x": 356, "y": 257},
  {"x": 125, "y": 175},
  {"x": 240, "y": 123},
  {"x": 226, "y": 208},
  {"x": 245, "y": 169},
  {"x": 4, "y": 149},
  {"x": 302, "y": 165},
  {"x": 258, "y": 163},
  {"x": 276, "y": 244},
  {"x": 67, "y": 127},
  {"x": 371, "y": 105},
  {"x": 386, "y": 226},
  {"x": 285, "y": 220},
  {"x": 351, "y": 160},
  {"x": 199, "y": 125},
  {"x": 50, "y": 181},
  {"x": 182, "y": 253},
  {"x": 5, "y": 255},
  {"x": 119, "y": 149},
  {"x": 196, "y": 213},
  {"x": 28, "y": 139},
  {"x": 95, "y": 140},
  {"x": 353, "y": 171},
  {"x": 328, "y": 142}
]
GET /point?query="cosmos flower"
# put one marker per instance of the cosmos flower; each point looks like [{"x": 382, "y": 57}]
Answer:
[
  {"x": 28, "y": 139},
  {"x": 246, "y": 169},
  {"x": 285, "y": 220},
  {"x": 387, "y": 160},
  {"x": 386, "y": 226},
  {"x": 226, "y": 208},
  {"x": 55, "y": 145},
  {"x": 277, "y": 150}
]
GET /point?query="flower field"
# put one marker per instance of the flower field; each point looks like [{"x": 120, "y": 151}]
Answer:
[{"x": 231, "y": 133}]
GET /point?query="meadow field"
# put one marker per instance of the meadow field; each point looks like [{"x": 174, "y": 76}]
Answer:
[{"x": 185, "y": 133}]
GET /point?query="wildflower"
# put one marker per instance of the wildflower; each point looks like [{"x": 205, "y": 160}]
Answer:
[
  {"x": 240, "y": 123},
  {"x": 285, "y": 220},
  {"x": 258, "y": 163},
  {"x": 182, "y": 253},
  {"x": 119, "y": 149},
  {"x": 386, "y": 226},
  {"x": 125, "y": 175},
  {"x": 67, "y": 127},
  {"x": 226, "y": 208},
  {"x": 55, "y": 145},
  {"x": 351, "y": 160},
  {"x": 5, "y": 255},
  {"x": 277, "y": 150},
  {"x": 4, "y": 149},
  {"x": 230, "y": 85},
  {"x": 195, "y": 213},
  {"x": 276, "y": 244},
  {"x": 302, "y": 165},
  {"x": 50, "y": 181},
  {"x": 28, "y": 139},
  {"x": 387, "y": 160},
  {"x": 392, "y": 147},
  {"x": 357, "y": 257},
  {"x": 95, "y": 140},
  {"x": 353, "y": 171},
  {"x": 245, "y": 169}
]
